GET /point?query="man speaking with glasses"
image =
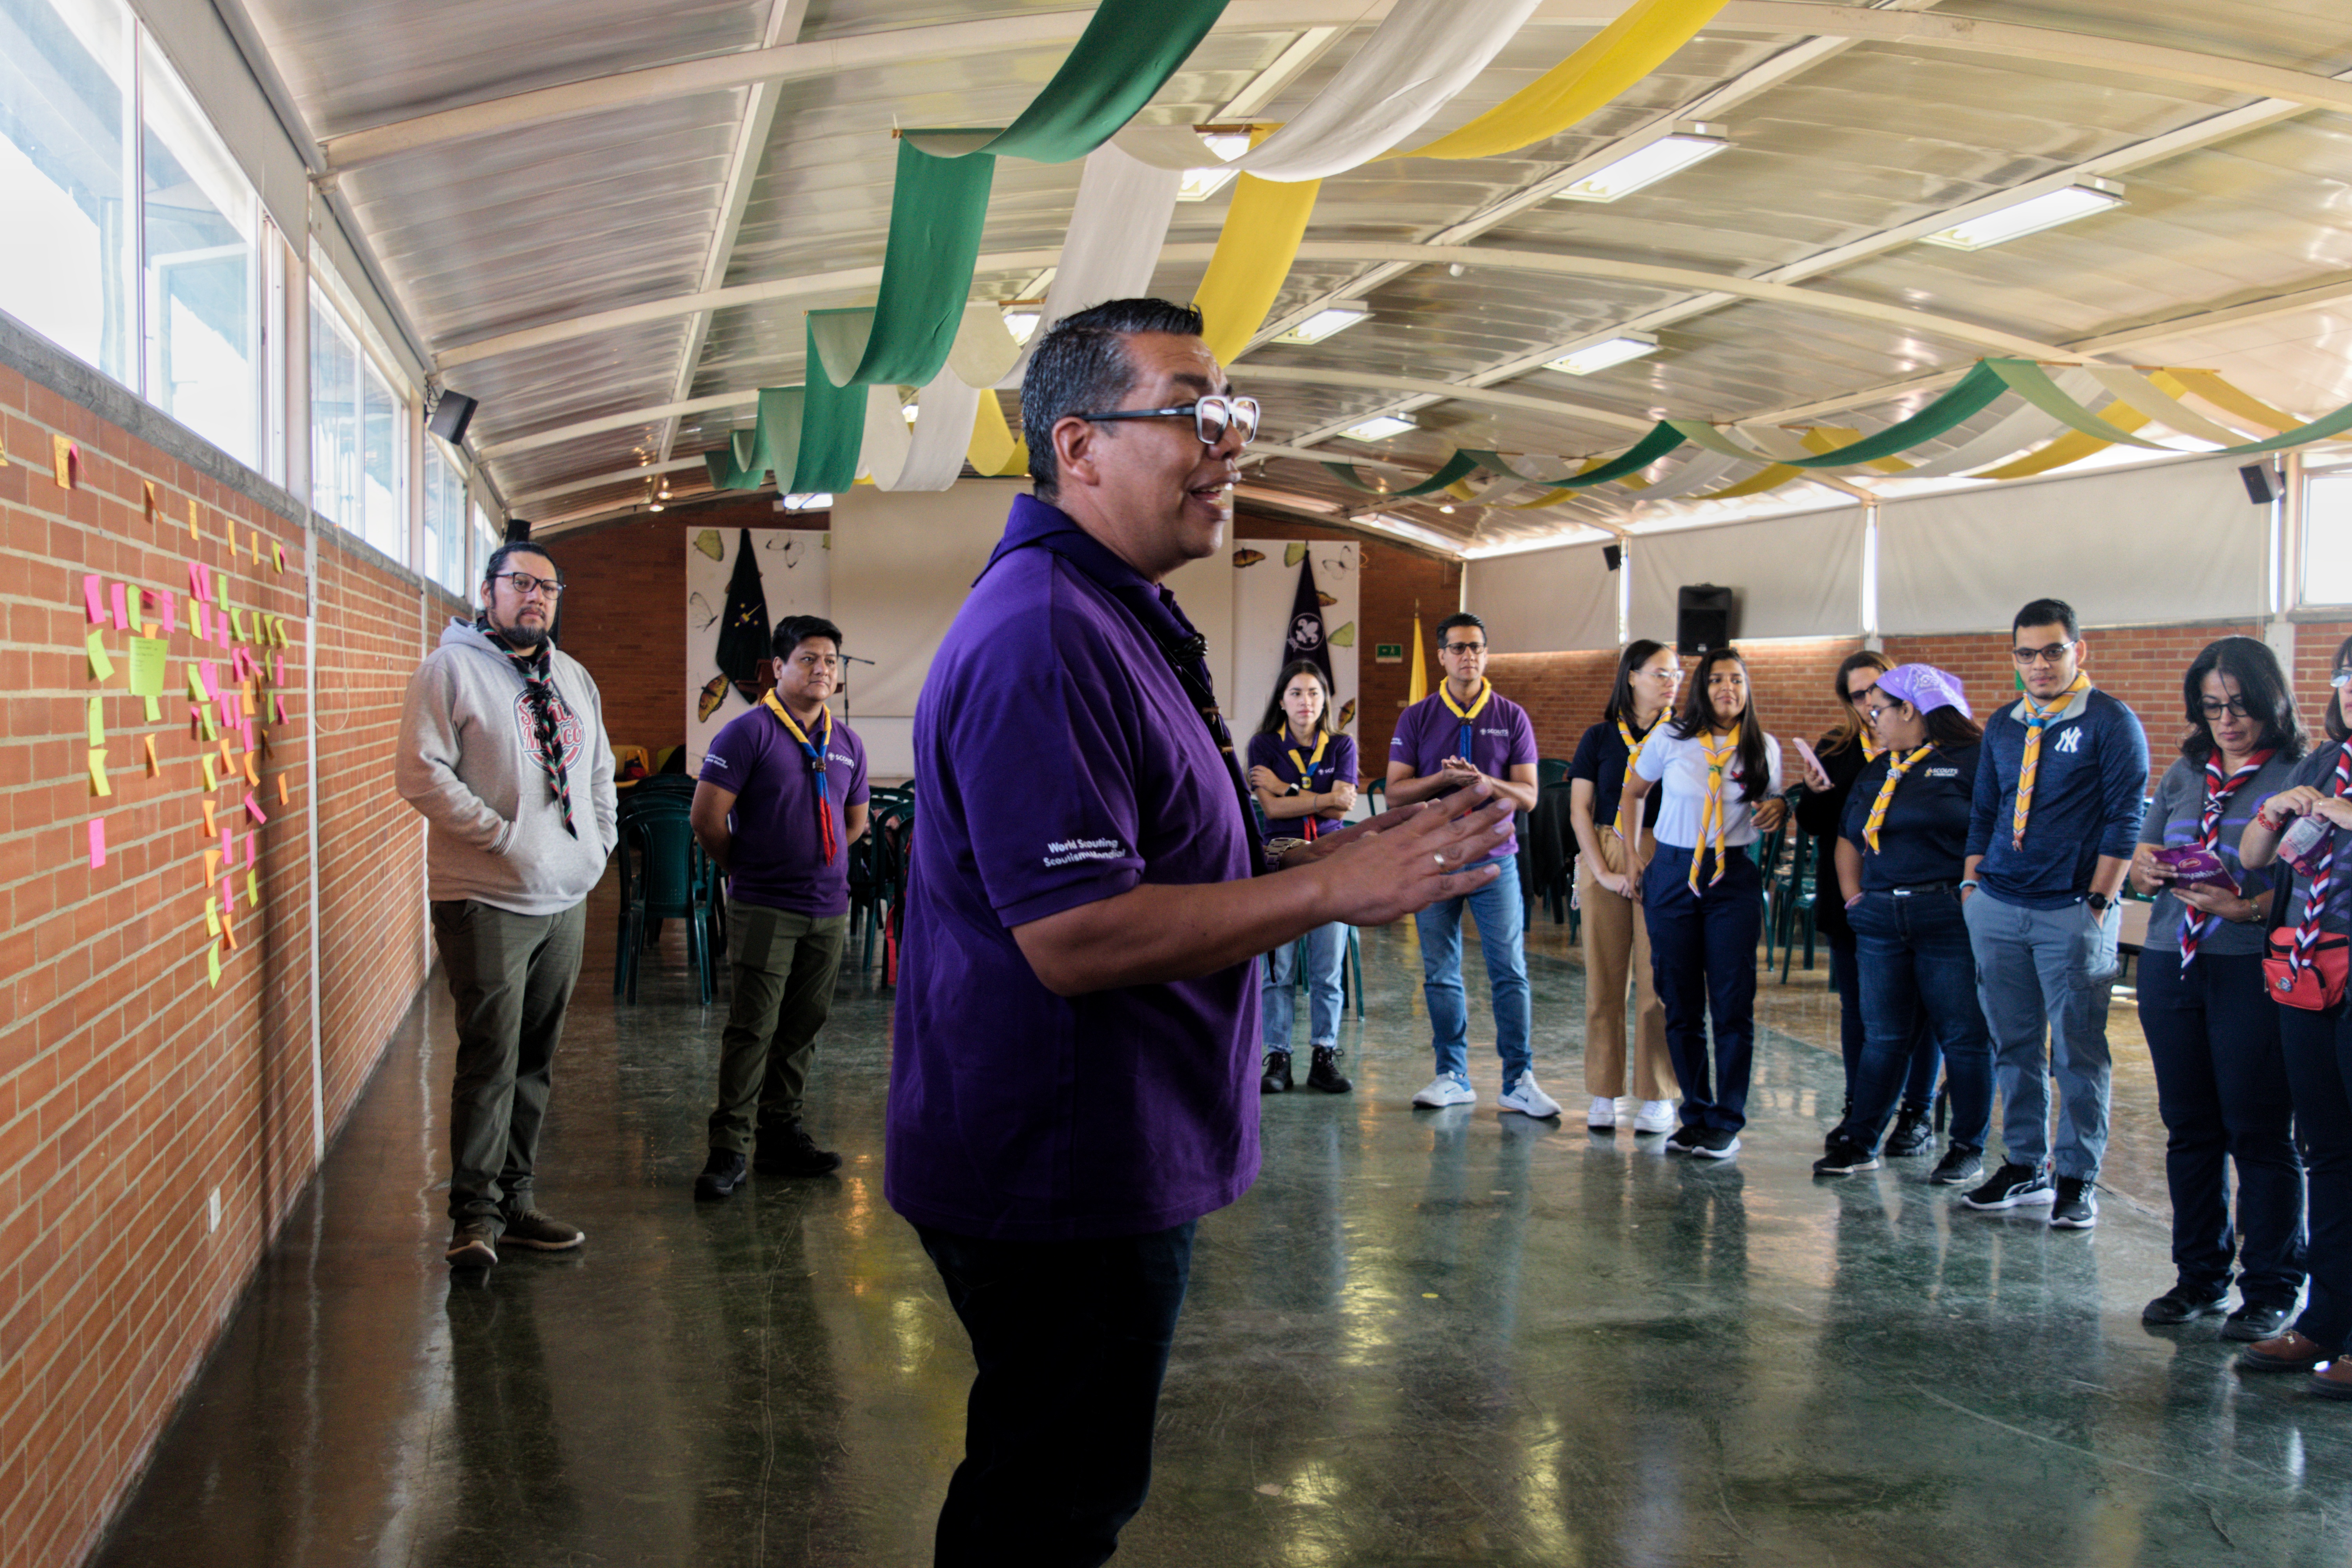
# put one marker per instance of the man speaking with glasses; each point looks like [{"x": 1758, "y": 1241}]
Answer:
[
  {"x": 1460, "y": 734},
  {"x": 2052, "y": 831},
  {"x": 1073, "y": 1078},
  {"x": 502, "y": 749}
]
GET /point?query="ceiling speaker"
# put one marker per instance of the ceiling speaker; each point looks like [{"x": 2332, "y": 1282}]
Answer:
[
  {"x": 451, "y": 415},
  {"x": 1612, "y": 556},
  {"x": 2261, "y": 483},
  {"x": 1703, "y": 617}
]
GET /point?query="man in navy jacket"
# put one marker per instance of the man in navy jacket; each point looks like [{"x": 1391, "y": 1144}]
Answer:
[{"x": 2060, "y": 787}]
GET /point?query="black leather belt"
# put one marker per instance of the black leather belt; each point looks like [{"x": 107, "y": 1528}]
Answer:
[{"x": 1923, "y": 890}]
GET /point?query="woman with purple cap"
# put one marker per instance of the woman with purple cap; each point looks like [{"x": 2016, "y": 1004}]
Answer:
[
  {"x": 2212, "y": 1030},
  {"x": 1904, "y": 838}
]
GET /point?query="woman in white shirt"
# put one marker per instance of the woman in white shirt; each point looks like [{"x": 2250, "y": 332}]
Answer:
[{"x": 1703, "y": 895}]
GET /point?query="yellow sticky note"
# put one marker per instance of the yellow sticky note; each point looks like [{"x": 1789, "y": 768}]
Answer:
[
  {"x": 150, "y": 659},
  {"x": 252, "y": 889},
  {"x": 255, "y": 536},
  {"x": 154, "y": 714},
  {"x": 154, "y": 503},
  {"x": 67, "y": 459},
  {"x": 278, "y": 554},
  {"x": 212, "y": 917},
  {"x": 101, "y": 667},
  {"x": 212, "y": 731},
  {"x": 96, "y": 724},
  {"x": 98, "y": 782},
  {"x": 212, "y": 962},
  {"x": 212, "y": 781},
  {"x": 237, "y": 624}
]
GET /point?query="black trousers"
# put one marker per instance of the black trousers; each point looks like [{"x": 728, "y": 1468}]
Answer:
[{"x": 1071, "y": 1339}]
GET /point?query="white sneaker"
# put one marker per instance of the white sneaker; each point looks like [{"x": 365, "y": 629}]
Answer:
[
  {"x": 1603, "y": 1113},
  {"x": 1655, "y": 1116},
  {"x": 1525, "y": 1097},
  {"x": 1445, "y": 1089}
]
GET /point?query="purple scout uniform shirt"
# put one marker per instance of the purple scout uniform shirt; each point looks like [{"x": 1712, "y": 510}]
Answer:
[
  {"x": 1058, "y": 762},
  {"x": 1500, "y": 738},
  {"x": 776, "y": 858},
  {"x": 1339, "y": 762}
]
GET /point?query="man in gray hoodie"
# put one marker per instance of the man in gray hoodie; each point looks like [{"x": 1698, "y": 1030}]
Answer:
[{"x": 502, "y": 749}]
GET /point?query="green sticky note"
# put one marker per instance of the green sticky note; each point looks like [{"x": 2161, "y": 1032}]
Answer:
[
  {"x": 252, "y": 890},
  {"x": 212, "y": 780},
  {"x": 212, "y": 964},
  {"x": 149, "y": 658},
  {"x": 236, "y": 622},
  {"x": 154, "y": 712},
  {"x": 131, "y": 603},
  {"x": 97, "y": 722},
  {"x": 195, "y": 685},
  {"x": 101, "y": 667},
  {"x": 212, "y": 731},
  {"x": 211, "y": 917}
]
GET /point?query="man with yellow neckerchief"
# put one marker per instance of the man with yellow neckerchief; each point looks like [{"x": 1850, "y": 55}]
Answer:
[
  {"x": 2054, "y": 822},
  {"x": 782, "y": 799},
  {"x": 1463, "y": 733}
]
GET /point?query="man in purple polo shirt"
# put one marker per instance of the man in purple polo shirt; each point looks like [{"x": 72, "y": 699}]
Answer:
[
  {"x": 1464, "y": 733},
  {"x": 782, "y": 797},
  {"x": 1071, "y": 1082}
]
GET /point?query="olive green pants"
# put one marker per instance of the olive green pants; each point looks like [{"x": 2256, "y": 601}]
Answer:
[
  {"x": 783, "y": 966},
  {"x": 511, "y": 977}
]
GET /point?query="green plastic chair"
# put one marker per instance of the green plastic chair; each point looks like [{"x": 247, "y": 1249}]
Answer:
[{"x": 665, "y": 876}]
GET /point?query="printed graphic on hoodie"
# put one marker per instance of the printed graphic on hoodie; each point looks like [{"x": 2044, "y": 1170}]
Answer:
[{"x": 567, "y": 727}]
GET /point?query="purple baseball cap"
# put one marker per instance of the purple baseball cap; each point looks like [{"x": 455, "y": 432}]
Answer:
[{"x": 1926, "y": 688}]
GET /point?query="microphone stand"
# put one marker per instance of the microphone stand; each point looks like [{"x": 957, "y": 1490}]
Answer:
[{"x": 846, "y": 660}]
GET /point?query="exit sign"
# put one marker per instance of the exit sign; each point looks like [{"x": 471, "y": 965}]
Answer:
[{"x": 1388, "y": 653}]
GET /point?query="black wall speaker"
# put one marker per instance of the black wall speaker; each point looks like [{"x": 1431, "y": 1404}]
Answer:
[
  {"x": 1703, "y": 617},
  {"x": 2261, "y": 483},
  {"x": 1612, "y": 556},
  {"x": 518, "y": 531},
  {"x": 451, "y": 415}
]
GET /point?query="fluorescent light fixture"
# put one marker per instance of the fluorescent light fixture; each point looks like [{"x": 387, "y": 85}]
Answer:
[
  {"x": 1598, "y": 355},
  {"x": 1200, "y": 184},
  {"x": 913, "y": 412},
  {"x": 1405, "y": 529},
  {"x": 1021, "y": 324},
  {"x": 1687, "y": 144},
  {"x": 1286, "y": 498},
  {"x": 816, "y": 501},
  {"x": 1323, "y": 323},
  {"x": 2032, "y": 215},
  {"x": 1379, "y": 427}
]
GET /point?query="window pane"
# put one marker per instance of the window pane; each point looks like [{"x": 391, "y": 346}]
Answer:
[
  {"x": 386, "y": 524},
  {"x": 64, "y": 71},
  {"x": 2327, "y": 540},
  {"x": 200, "y": 320},
  {"x": 334, "y": 416}
]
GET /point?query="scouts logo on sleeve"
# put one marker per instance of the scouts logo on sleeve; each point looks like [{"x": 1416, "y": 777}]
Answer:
[{"x": 572, "y": 735}]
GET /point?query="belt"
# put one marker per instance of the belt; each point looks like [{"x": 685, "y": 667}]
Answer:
[{"x": 1922, "y": 890}]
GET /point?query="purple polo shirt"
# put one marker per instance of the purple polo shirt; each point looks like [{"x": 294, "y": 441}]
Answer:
[
  {"x": 1058, "y": 763},
  {"x": 1339, "y": 762},
  {"x": 1500, "y": 738},
  {"x": 775, "y": 857}
]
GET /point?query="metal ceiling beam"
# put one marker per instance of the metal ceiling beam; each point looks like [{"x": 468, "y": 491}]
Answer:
[{"x": 1044, "y": 29}]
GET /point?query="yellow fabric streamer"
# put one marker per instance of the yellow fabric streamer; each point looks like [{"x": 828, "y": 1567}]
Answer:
[
  {"x": 993, "y": 450},
  {"x": 1612, "y": 61},
  {"x": 2075, "y": 446},
  {"x": 1765, "y": 478},
  {"x": 1263, "y": 228},
  {"x": 2225, "y": 396}
]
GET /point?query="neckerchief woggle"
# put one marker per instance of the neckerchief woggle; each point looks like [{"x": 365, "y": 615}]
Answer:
[
  {"x": 814, "y": 751},
  {"x": 1306, "y": 766},
  {"x": 1155, "y": 610},
  {"x": 1486, "y": 694}
]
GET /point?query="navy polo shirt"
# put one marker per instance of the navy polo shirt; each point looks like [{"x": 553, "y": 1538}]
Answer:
[{"x": 1924, "y": 838}]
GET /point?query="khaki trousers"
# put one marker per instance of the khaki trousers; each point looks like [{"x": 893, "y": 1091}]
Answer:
[{"x": 1616, "y": 936}]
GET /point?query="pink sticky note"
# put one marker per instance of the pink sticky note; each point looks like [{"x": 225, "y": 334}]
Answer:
[
  {"x": 253, "y": 810},
  {"x": 280, "y": 703},
  {"x": 249, "y": 837},
  {"x": 210, "y": 677},
  {"x": 196, "y": 581},
  {"x": 171, "y": 612},
  {"x": 251, "y": 744},
  {"x": 97, "y": 842},
  {"x": 229, "y": 844},
  {"x": 121, "y": 607},
  {"x": 93, "y": 598}
]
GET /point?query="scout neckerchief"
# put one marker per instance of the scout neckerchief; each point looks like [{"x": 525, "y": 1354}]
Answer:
[
  {"x": 2315, "y": 900},
  {"x": 2218, "y": 790},
  {"x": 1710, "y": 811},
  {"x": 814, "y": 751},
  {"x": 1155, "y": 610},
  {"x": 536, "y": 667},
  {"x": 1632, "y": 748},
  {"x": 1871, "y": 751},
  {"x": 2036, "y": 717},
  {"x": 1306, "y": 766},
  {"x": 1895, "y": 771},
  {"x": 1485, "y": 695}
]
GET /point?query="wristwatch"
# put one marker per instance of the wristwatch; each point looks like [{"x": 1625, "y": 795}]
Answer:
[
  {"x": 1276, "y": 848},
  {"x": 2099, "y": 903}
]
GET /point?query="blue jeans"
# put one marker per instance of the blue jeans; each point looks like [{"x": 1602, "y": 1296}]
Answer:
[
  {"x": 1703, "y": 955},
  {"x": 2222, "y": 1088},
  {"x": 2054, "y": 970},
  {"x": 2318, "y": 1048},
  {"x": 1918, "y": 975},
  {"x": 1071, "y": 1339},
  {"x": 1326, "y": 952},
  {"x": 1501, "y": 932},
  {"x": 1853, "y": 1027}
]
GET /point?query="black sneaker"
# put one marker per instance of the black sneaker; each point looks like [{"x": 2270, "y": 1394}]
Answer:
[
  {"x": 1716, "y": 1145},
  {"x": 785, "y": 1149},
  {"x": 471, "y": 1246},
  {"x": 721, "y": 1175},
  {"x": 530, "y": 1228},
  {"x": 1324, "y": 1072},
  {"x": 1843, "y": 1157},
  {"x": 2186, "y": 1304},
  {"x": 1957, "y": 1166},
  {"x": 2012, "y": 1186},
  {"x": 1914, "y": 1133},
  {"x": 1685, "y": 1138},
  {"x": 1276, "y": 1078},
  {"x": 2077, "y": 1207},
  {"x": 2254, "y": 1321}
]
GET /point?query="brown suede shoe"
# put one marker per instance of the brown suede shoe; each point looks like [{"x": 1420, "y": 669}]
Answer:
[
  {"x": 2333, "y": 1381},
  {"x": 2290, "y": 1352}
]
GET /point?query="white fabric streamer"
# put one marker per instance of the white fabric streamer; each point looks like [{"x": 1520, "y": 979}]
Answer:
[
  {"x": 2132, "y": 390},
  {"x": 2021, "y": 427},
  {"x": 1117, "y": 228},
  {"x": 928, "y": 454},
  {"x": 1694, "y": 473}
]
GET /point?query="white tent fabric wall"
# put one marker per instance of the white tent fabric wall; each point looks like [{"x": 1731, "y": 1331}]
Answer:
[
  {"x": 1796, "y": 577},
  {"x": 1263, "y": 594},
  {"x": 2175, "y": 542},
  {"x": 794, "y": 580},
  {"x": 1549, "y": 601},
  {"x": 1204, "y": 592}
]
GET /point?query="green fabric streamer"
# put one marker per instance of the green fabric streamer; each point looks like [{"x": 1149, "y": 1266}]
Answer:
[
  {"x": 772, "y": 444},
  {"x": 1662, "y": 439},
  {"x": 1969, "y": 397},
  {"x": 937, "y": 210},
  {"x": 2030, "y": 381},
  {"x": 1461, "y": 466},
  {"x": 833, "y": 426}
]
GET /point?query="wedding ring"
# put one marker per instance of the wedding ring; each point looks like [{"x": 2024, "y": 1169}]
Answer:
[{"x": 1441, "y": 857}]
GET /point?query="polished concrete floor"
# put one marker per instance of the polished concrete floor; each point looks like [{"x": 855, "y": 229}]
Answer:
[{"x": 1451, "y": 1337}]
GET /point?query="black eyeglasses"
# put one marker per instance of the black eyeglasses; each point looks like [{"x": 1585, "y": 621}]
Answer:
[
  {"x": 525, "y": 585},
  {"x": 1459, "y": 648},
  {"x": 2235, "y": 708},
  {"x": 1211, "y": 417},
  {"x": 2055, "y": 654}
]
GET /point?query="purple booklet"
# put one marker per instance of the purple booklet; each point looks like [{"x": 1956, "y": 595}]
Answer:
[{"x": 2194, "y": 865}]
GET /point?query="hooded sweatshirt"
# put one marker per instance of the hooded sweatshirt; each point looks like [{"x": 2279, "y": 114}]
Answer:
[{"x": 468, "y": 761}]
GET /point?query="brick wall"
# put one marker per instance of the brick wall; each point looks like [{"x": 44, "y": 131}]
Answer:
[
  {"x": 627, "y": 580},
  {"x": 130, "y": 1089}
]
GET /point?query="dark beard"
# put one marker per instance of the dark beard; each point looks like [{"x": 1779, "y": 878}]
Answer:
[{"x": 522, "y": 639}]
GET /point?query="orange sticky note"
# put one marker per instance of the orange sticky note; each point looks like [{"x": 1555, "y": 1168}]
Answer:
[
  {"x": 212, "y": 827},
  {"x": 191, "y": 519},
  {"x": 281, "y": 790},
  {"x": 65, "y": 458},
  {"x": 228, "y": 930},
  {"x": 154, "y": 502},
  {"x": 155, "y": 768},
  {"x": 211, "y": 867},
  {"x": 252, "y": 776}
]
